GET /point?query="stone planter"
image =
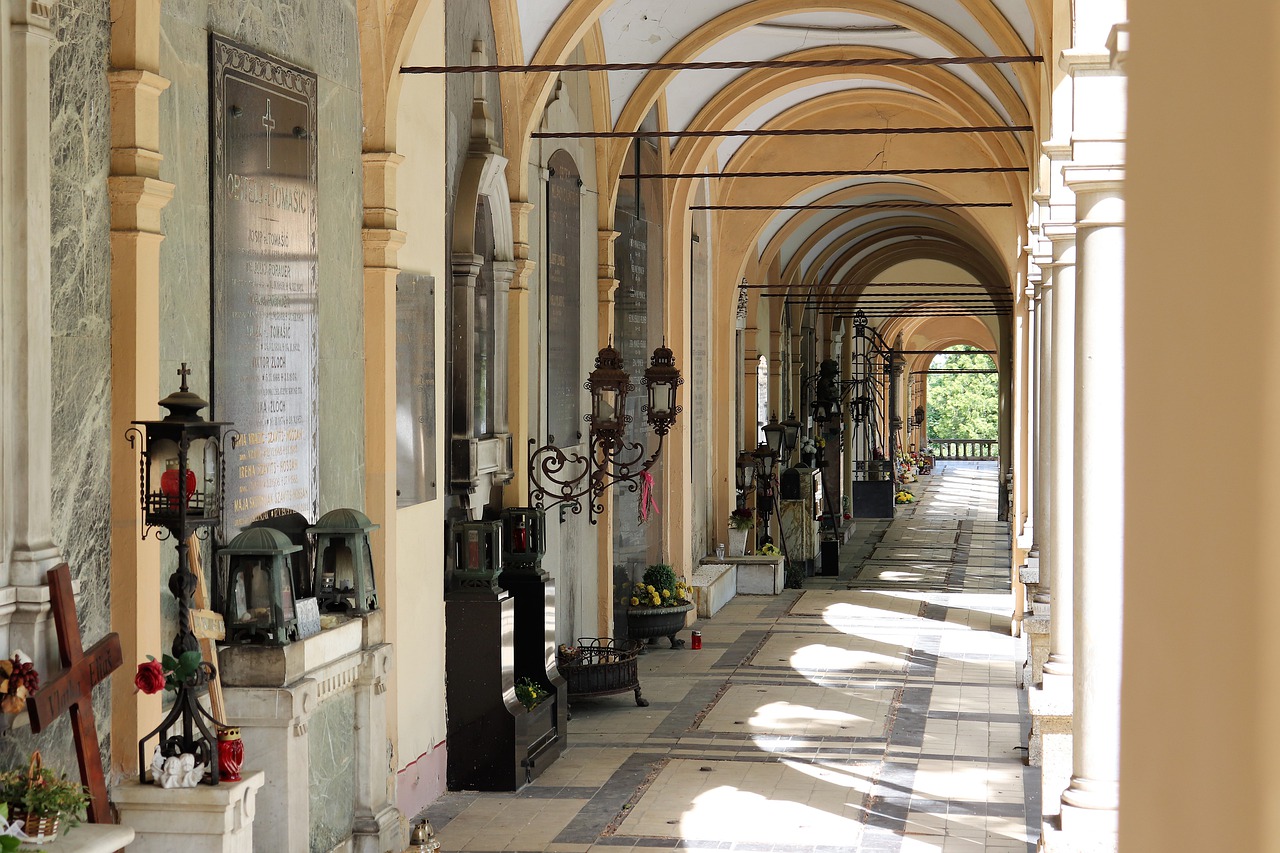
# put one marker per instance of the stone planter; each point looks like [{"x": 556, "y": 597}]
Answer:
[
  {"x": 650, "y": 623},
  {"x": 738, "y": 541}
]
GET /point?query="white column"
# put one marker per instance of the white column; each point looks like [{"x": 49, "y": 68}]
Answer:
[
  {"x": 1061, "y": 453},
  {"x": 1043, "y": 538},
  {"x": 26, "y": 302},
  {"x": 1089, "y": 805},
  {"x": 1032, "y": 367}
]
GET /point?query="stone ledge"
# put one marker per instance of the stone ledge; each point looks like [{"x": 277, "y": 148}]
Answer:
[
  {"x": 714, "y": 585},
  {"x": 204, "y": 819},
  {"x": 90, "y": 838},
  {"x": 1029, "y": 574}
]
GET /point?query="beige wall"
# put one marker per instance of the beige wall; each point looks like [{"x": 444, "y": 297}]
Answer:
[
  {"x": 418, "y": 586},
  {"x": 1200, "y": 761}
]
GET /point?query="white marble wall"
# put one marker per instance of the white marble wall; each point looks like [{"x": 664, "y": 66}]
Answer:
[
  {"x": 321, "y": 37},
  {"x": 80, "y": 289}
]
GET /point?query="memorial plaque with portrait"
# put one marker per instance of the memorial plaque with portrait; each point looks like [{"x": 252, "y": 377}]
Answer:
[{"x": 265, "y": 336}]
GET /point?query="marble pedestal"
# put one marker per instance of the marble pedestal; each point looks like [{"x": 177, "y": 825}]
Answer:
[
  {"x": 313, "y": 716},
  {"x": 203, "y": 819},
  {"x": 1049, "y": 746},
  {"x": 759, "y": 575},
  {"x": 800, "y": 530},
  {"x": 714, "y": 585},
  {"x": 91, "y": 838}
]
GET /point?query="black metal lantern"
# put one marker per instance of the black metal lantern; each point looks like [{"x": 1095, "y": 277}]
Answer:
[
  {"x": 344, "y": 562},
  {"x": 524, "y": 536},
  {"x": 255, "y": 591},
  {"x": 790, "y": 434},
  {"x": 745, "y": 472},
  {"x": 662, "y": 379},
  {"x": 181, "y": 465},
  {"x": 825, "y": 411},
  {"x": 609, "y": 386},
  {"x": 477, "y": 554},
  {"x": 774, "y": 435},
  {"x": 766, "y": 457},
  {"x": 861, "y": 407}
]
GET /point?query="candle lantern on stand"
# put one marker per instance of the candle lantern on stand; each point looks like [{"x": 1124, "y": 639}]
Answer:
[
  {"x": 254, "y": 591},
  {"x": 181, "y": 483}
]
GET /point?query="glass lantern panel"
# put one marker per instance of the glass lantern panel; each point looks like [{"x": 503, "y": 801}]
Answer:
[
  {"x": 472, "y": 555},
  {"x": 286, "y": 591},
  {"x": 339, "y": 566},
  {"x": 366, "y": 565}
]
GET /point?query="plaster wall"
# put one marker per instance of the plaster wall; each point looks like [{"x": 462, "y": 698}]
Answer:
[
  {"x": 417, "y": 588},
  {"x": 572, "y": 546},
  {"x": 1199, "y": 742}
]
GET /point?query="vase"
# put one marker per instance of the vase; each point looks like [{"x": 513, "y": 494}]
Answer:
[
  {"x": 230, "y": 754},
  {"x": 738, "y": 541},
  {"x": 650, "y": 623}
]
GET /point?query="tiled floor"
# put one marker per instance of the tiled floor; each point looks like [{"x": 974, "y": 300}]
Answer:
[{"x": 875, "y": 711}]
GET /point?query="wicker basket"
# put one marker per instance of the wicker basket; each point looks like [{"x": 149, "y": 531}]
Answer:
[
  {"x": 41, "y": 830},
  {"x": 601, "y": 666}
]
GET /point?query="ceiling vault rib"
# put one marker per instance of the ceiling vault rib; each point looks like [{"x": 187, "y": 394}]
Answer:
[
  {"x": 727, "y": 65},
  {"x": 840, "y": 173},
  {"x": 871, "y": 205},
  {"x": 789, "y": 131}
]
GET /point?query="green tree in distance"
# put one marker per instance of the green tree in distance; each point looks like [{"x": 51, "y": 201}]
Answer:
[{"x": 963, "y": 405}]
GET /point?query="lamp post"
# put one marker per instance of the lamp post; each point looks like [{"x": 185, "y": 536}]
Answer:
[
  {"x": 180, "y": 487},
  {"x": 790, "y": 436},
  {"x": 558, "y": 477},
  {"x": 744, "y": 475},
  {"x": 766, "y": 459}
]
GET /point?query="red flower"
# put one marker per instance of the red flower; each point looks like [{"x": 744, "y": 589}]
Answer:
[{"x": 150, "y": 677}]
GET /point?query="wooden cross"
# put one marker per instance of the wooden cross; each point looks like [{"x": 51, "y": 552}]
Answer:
[
  {"x": 72, "y": 689},
  {"x": 208, "y": 626}
]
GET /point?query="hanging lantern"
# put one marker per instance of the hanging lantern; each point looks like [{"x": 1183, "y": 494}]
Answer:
[
  {"x": 774, "y": 435},
  {"x": 609, "y": 385},
  {"x": 766, "y": 458},
  {"x": 662, "y": 379},
  {"x": 254, "y": 588},
  {"x": 790, "y": 434},
  {"x": 344, "y": 562},
  {"x": 745, "y": 470},
  {"x": 477, "y": 554}
]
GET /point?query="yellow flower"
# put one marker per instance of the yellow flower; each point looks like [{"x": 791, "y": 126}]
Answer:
[
  {"x": 666, "y": 593},
  {"x": 634, "y": 601}
]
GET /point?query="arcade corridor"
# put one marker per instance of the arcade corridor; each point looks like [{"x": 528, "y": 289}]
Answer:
[{"x": 876, "y": 711}]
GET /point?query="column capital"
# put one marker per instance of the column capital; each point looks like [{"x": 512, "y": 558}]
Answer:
[{"x": 1094, "y": 178}]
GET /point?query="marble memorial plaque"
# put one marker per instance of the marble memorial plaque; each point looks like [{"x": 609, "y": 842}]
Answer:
[
  {"x": 308, "y": 610},
  {"x": 265, "y": 336},
  {"x": 415, "y": 389},
  {"x": 564, "y": 297}
]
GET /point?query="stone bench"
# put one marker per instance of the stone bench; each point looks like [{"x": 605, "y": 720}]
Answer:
[
  {"x": 714, "y": 585},
  {"x": 760, "y": 575}
]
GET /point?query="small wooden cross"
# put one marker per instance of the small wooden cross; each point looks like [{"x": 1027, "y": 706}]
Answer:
[{"x": 72, "y": 689}]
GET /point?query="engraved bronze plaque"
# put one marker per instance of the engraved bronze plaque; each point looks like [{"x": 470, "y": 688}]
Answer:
[
  {"x": 265, "y": 336},
  {"x": 415, "y": 388}
]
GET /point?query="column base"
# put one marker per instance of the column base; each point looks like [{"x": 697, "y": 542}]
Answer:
[
  {"x": 204, "y": 819},
  {"x": 1036, "y": 630},
  {"x": 1051, "y": 738},
  {"x": 1055, "y": 839},
  {"x": 376, "y": 833}
]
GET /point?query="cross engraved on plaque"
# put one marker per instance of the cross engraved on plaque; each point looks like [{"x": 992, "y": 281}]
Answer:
[
  {"x": 72, "y": 689},
  {"x": 270, "y": 124}
]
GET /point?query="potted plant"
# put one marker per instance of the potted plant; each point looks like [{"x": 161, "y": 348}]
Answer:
[
  {"x": 41, "y": 799},
  {"x": 658, "y": 606},
  {"x": 741, "y": 520}
]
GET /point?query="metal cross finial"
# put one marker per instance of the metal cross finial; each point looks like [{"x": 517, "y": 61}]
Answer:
[{"x": 184, "y": 372}]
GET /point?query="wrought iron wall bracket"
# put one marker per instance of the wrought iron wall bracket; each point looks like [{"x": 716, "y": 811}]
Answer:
[{"x": 558, "y": 477}]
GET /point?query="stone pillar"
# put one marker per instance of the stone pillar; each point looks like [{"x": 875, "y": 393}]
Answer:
[
  {"x": 517, "y": 417},
  {"x": 377, "y": 820},
  {"x": 137, "y": 198},
  {"x": 1027, "y": 539},
  {"x": 26, "y": 302},
  {"x": 1051, "y": 701},
  {"x": 1090, "y": 803},
  {"x": 606, "y": 302}
]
